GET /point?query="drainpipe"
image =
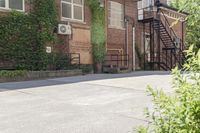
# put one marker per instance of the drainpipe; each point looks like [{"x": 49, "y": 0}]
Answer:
[
  {"x": 125, "y": 24},
  {"x": 133, "y": 54},
  {"x": 106, "y": 24},
  {"x": 126, "y": 21}
]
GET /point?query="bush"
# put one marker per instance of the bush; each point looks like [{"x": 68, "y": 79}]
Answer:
[
  {"x": 23, "y": 36},
  {"x": 87, "y": 69},
  {"x": 58, "y": 61},
  {"x": 179, "y": 113},
  {"x": 12, "y": 74}
]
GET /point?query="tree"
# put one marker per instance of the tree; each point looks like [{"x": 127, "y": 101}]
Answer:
[
  {"x": 178, "y": 113},
  {"x": 193, "y": 20}
]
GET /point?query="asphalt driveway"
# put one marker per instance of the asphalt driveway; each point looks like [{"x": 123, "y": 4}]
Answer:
[{"x": 101, "y": 103}]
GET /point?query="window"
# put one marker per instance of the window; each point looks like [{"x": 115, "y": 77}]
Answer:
[
  {"x": 116, "y": 14},
  {"x": 145, "y": 4},
  {"x": 12, "y": 4},
  {"x": 72, "y": 9},
  {"x": 2, "y": 3},
  {"x": 168, "y": 2}
]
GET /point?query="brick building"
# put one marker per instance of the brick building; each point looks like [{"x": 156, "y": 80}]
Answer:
[
  {"x": 145, "y": 34},
  {"x": 138, "y": 32}
]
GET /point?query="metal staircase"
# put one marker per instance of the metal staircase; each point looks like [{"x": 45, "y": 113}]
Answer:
[
  {"x": 171, "y": 50},
  {"x": 170, "y": 53},
  {"x": 164, "y": 35}
]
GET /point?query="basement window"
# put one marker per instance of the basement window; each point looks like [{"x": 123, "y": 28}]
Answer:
[
  {"x": 12, "y": 5},
  {"x": 72, "y": 9}
]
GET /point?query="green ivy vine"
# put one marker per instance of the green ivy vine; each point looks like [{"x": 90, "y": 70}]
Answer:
[
  {"x": 24, "y": 36},
  {"x": 97, "y": 30}
]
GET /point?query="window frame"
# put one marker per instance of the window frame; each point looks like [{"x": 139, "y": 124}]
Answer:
[
  {"x": 72, "y": 11},
  {"x": 7, "y": 4},
  {"x": 168, "y": 2},
  {"x": 122, "y": 21}
]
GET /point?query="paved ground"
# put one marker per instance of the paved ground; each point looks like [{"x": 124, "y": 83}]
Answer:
[{"x": 103, "y": 103}]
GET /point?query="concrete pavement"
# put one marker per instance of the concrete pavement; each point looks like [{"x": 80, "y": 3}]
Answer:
[{"x": 99, "y": 103}]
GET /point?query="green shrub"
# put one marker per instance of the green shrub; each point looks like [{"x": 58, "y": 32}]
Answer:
[
  {"x": 58, "y": 61},
  {"x": 23, "y": 36},
  {"x": 179, "y": 113},
  {"x": 12, "y": 74},
  {"x": 86, "y": 68}
]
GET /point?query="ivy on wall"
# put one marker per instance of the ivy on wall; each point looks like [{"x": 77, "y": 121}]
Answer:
[
  {"x": 97, "y": 30},
  {"x": 45, "y": 16},
  {"x": 24, "y": 36}
]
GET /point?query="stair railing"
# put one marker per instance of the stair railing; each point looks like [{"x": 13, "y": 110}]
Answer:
[
  {"x": 168, "y": 26},
  {"x": 118, "y": 60},
  {"x": 165, "y": 59},
  {"x": 170, "y": 30},
  {"x": 173, "y": 35}
]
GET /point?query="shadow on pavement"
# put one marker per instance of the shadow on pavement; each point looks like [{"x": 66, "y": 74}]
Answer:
[{"x": 75, "y": 79}]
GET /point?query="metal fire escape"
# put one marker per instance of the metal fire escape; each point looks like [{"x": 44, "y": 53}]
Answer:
[{"x": 165, "y": 48}]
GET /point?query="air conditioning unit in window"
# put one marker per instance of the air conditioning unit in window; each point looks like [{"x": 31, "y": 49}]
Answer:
[{"x": 64, "y": 29}]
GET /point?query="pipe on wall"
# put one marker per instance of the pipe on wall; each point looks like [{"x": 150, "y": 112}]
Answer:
[{"x": 133, "y": 51}]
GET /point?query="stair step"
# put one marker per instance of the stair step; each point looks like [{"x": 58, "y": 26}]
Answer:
[
  {"x": 166, "y": 39},
  {"x": 166, "y": 36},
  {"x": 167, "y": 43},
  {"x": 163, "y": 31}
]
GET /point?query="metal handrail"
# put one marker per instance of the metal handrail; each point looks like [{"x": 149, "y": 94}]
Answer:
[
  {"x": 162, "y": 59},
  {"x": 173, "y": 34},
  {"x": 118, "y": 59},
  {"x": 171, "y": 29}
]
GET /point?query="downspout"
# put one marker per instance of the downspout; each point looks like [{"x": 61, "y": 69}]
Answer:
[
  {"x": 106, "y": 25},
  {"x": 127, "y": 41},
  {"x": 133, "y": 51},
  {"x": 126, "y": 34},
  {"x": 125, "y": 23}
]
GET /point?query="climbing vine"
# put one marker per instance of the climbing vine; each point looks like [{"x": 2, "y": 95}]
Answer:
[
  {"x": 24, "y": 36},
  {"x": 97, "y": 30}
]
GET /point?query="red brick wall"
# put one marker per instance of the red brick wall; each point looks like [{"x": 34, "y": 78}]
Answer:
[
  {"x": 80, "y": 40},
  {"x": 74, "y": 44},
  {"x": 116, "y": 38}
]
